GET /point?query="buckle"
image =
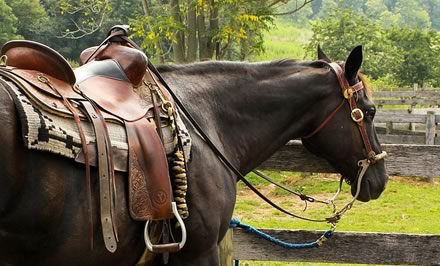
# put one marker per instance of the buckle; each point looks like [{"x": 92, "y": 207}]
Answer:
[{"x": 357, "y": 115}]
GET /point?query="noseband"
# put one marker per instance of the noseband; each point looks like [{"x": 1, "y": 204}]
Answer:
[{"x": 357, "y": 116}]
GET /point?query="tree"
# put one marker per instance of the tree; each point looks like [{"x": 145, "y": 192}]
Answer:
[
  {"x": 420, "y": 51},
  {"x": 8, "y": 22},
  {"x": 206, "y": 29},
  {"x": 32, "y": 19},
  {"x": 402, "y": 55},
  {"x": 412, "y": 14},
  {"x": 377, "y": 10},
  {"x": 345, "y": 29}
]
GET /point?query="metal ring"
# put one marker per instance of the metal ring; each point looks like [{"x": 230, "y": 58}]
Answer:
[
  {"x": 361, "y": 114},
  {"x": 42, "y": 78}
]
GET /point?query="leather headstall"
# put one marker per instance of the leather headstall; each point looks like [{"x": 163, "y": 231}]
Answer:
[{"x": 349, "y": 93}]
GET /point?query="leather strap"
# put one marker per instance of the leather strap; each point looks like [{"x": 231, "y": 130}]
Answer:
[
  {"x": 356, "y": 112},
  {"x": 105, "y": 176}
]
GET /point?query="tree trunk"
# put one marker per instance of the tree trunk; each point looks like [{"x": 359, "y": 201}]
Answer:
[
  {"x": 191, "y": 54},
  {"x": 147, "y": 12},
  {"x": 213, "y": 29},
  {"x": 146, "y": 7},
  {"x": 179, "y": 43},
  {"x": 202, "y": 34}
]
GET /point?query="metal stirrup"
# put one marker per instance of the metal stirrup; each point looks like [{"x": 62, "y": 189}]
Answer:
[{"x": 169, "y": 247}]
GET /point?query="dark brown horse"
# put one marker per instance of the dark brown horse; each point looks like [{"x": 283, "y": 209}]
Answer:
[{"x": 248, "y": 110}]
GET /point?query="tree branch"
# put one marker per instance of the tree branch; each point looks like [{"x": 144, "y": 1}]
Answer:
[
  {"x": 81, "y": 31},
  {"x": 297, "y": 7}
]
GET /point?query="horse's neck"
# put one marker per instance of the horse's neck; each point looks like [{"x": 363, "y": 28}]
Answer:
[{"x": 248, "y": 115}]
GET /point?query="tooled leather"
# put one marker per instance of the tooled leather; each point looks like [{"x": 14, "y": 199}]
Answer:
[{"x": 153, "y": 171}]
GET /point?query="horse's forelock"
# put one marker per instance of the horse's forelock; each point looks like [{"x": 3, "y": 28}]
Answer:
[{"x": 368, "y": 89}]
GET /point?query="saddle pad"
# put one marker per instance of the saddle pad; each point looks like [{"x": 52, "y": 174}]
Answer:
[{"x": 48, "y": 132}]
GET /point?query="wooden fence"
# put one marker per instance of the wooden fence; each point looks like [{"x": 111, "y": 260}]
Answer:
[
  {"x": 401, "y": 127},
  {"x": 344, "y": 247},
  {"x": 412, "y": 119},
  {"x": 412, "y": 98}
]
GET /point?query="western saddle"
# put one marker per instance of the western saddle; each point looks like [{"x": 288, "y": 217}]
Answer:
[{"x": 99, "y": 91}]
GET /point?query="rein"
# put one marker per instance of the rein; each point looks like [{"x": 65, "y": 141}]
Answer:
[{"x": 357, "y": 116}]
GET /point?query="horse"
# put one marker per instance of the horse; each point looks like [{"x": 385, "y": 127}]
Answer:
[{"x": 248, "y": 110}]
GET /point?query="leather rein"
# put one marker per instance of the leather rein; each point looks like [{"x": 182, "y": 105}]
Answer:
[{"x": 357, "y": 116}]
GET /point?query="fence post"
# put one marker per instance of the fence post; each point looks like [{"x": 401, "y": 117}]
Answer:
[
  {"x": 226, "y": 250},
  {"x": 430, "y": 128},
  {"x": 412, "y": 126},
  {"x": 389, "y": 128},
  {"x": 430, "y": 132}
]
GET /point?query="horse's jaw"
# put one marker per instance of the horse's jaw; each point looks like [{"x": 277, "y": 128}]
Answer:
[{"x": 373, "y": 183}]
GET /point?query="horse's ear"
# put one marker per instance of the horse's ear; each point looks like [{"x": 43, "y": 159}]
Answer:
[
  {"x": 353, "y": 63},
  {"x": 322, "y": 56}
]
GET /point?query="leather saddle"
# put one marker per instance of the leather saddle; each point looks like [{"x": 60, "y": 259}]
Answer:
[{"x": 100, "y": 90}]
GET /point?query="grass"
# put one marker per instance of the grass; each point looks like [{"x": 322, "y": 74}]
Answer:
[
  {"x": 408, "y": 205},
  {"x": 284, "y": 41}
]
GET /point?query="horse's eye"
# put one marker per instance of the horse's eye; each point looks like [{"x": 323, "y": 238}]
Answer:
[{"x": 370, "y": 113}]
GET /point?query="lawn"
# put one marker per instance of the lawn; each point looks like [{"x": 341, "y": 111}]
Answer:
[
  {"x": 285, "y": 41},
  {"x": 408, "y": 205}
]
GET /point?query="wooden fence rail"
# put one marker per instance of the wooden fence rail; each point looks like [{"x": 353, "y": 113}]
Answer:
[
  {"x": 411, "y": 98},
  {"x": 343, "y": 247},
  {"x": 402, "y": 160},
  {"x": 426, "y": 124}
]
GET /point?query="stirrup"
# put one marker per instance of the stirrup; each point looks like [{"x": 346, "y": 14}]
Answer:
[{"x": 169, "y": 247}]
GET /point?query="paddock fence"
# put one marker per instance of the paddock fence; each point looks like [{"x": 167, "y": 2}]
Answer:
[
  {"x": 409, "y": 160},
  {"x": 410, "y": 117}
]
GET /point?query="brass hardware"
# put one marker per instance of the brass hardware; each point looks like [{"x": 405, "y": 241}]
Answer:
[
  {"x": 348, "y": 93},
  {"x": 358, "y": 118}
]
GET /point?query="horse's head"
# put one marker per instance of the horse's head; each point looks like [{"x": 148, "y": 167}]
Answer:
[{"x": 343, "y": 131}]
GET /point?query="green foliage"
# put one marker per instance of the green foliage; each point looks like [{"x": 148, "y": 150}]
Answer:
[
  {"x": 156, "y": 32},
  {"x": 32, "y": 19},
  {"x": 401, "y": 55},
  {"x": 8, "y": 22},
  {"x": 345, "y": 29},
  {"x": 412, "y": 14},
  {"x": 420, "y": 55}
]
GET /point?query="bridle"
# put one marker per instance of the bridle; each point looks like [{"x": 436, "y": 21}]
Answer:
[
  {"x": 349, "y": 95},
  {"x": 357, "y": 116}
]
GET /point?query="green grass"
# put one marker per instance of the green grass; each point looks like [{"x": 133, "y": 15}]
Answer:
[
  {"x": 284, "y": 41},
  {"x": 408, "y": 205}
]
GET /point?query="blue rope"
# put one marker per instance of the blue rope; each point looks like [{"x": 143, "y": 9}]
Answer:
[{"x": 327, "y": 234}]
